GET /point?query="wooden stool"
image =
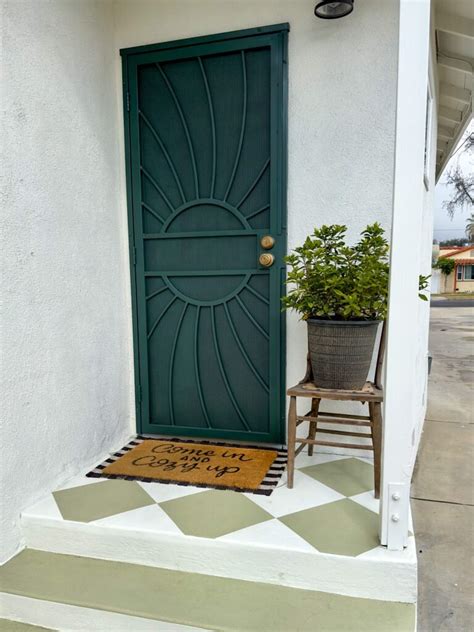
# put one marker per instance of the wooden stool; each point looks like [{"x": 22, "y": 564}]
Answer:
[{"x": 371, "y": 392}]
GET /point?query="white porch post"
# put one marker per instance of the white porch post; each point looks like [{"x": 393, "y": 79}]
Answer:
[{"x": 399, "y": 409}]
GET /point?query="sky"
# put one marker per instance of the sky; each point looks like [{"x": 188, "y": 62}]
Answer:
[{"x": 444, "y": 226}]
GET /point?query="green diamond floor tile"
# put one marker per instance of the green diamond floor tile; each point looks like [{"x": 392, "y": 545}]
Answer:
[
  {"x": 100, "y": 500},
  {"x": 214, "y": 513},
  {"x": 342, "y": 527},
  {"x": 212, "y": 603},
  {"x": 347, "y": 476}
]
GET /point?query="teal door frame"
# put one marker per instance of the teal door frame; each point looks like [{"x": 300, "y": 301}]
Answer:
[{"x": 275, "y": 36}]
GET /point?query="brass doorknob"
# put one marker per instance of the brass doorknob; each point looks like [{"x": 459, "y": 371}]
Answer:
[
  {"x": 267, "y": 242},
  {"x": 266, "y": 259}
]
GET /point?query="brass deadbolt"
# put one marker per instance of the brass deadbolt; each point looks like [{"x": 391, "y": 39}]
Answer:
[
  {"x": 267, "y": 242},
  {"x": 266, "y": 259}
]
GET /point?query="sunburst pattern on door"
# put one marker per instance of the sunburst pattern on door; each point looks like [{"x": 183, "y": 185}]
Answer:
[{"x": 204, "y": 128}]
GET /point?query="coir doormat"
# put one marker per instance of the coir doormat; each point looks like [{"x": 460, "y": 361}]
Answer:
[{"x": 203, "y": 464}]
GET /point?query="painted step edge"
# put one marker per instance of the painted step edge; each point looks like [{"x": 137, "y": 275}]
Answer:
[
  {"x": 62, "y": 617},
  {"x": 194, "y": 600},
  {"x": 385, "y": 580}
]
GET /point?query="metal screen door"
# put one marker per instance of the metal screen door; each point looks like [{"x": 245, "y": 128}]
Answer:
[{"x": 206, "y": 130}]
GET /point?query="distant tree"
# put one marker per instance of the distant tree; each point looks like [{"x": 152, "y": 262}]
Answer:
[
  {"x": 469, "y": 142},
  {"x": 460, "y": 183},
  {"x": 470, "y": 228},
  {"x": 445, "y": 265},
  {"x": 458, "y": 241},
  {"x": 462, "y": 195}
]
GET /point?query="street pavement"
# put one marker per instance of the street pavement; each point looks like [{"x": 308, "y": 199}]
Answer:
[
  {"x": 452, "y": 302},
  {"x": 443, "y": 486}
]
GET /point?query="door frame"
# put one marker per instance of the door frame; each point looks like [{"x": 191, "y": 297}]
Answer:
[{"x": 281, "y": 124}]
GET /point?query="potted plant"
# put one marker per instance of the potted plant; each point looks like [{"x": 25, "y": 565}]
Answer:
[{"x": 341, "y": 292}]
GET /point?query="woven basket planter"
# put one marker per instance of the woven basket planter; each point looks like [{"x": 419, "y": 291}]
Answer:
[{"x": 341, "y": 352}]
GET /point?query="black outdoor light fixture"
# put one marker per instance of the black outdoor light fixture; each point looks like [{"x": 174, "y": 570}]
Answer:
[{"x": 329, "y": 10}]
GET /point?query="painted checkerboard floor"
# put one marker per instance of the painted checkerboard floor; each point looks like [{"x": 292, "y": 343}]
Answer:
[{"x": 331, "y": 509}]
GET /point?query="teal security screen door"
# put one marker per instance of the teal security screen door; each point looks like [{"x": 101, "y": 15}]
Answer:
[{"x": 205, "y": 139}]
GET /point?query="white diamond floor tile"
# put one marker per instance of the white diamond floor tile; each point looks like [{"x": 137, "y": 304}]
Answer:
[
  {"x": 150, "y": 518},
  {"x": 78, "y": 481},
  {"x": 367, "y": 500},
  {"x": 45, "y": 508},
  {"x": 304, "y": 460},
  {"x": 161, "y": 492},
  {"x": 272, "y": 534},
  {"x": 306, "y": 493},
  {"x": 363, "y": 459}
]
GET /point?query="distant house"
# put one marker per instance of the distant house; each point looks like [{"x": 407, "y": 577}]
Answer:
[{"x": 461, "y": 278}]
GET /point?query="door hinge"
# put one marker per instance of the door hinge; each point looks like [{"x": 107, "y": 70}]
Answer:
[
  {"x": 134, "y": 256},
  {"x": 139, "y": 394},
  {"x": 128, "y": 101}
]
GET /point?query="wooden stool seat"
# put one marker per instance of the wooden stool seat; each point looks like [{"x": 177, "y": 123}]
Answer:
[
  {"x": 371, "y": 393},
  {"x": 368, "y": 393}
]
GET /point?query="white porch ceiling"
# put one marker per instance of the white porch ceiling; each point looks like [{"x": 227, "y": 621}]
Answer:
[{"x": 454, "y": 29}]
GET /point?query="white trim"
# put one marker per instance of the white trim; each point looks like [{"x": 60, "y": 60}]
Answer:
[
  {"x": 462, "y": 267},
  {"x": 428, "y": 124},
  {"x": 389, "y": 577},
  {"x": 400, "y": 408},
  {"x": 450, "y": 114},
  {"x": 446, "y": 133},
  {"x": 456, "y": 62},
  {"x": 456, "y": 25},
  {"x": 454, "y": 92},
  {"x": 452, "y": 146}
]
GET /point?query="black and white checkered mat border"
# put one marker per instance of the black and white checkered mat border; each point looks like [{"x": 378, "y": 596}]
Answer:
[{"x": 266, "y": 487}]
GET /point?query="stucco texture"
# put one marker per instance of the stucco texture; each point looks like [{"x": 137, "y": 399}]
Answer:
[
  {"x": 66, "y": 341},
  {"x": 342, "y": 100}
]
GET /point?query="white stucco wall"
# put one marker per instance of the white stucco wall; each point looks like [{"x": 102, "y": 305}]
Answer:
[
  {"x": 66, "y": 326},
  {"x": 342, "y": 82},
  {"x": 65, "y": 337}
]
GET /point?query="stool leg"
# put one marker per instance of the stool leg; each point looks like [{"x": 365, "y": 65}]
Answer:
[
  {"x": 291, "y": 441},
  {"x": 375, "y": 409},
  {"x": 313, "y": 425}
]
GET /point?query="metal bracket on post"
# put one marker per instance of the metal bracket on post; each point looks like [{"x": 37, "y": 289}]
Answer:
[{"x": 397, "y": 525}]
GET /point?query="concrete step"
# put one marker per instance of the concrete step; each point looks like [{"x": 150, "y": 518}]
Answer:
[
  {"x": 66, "y": 592},
  {"x": 263, "y": 553},
  {"x": 322, "y": 535}
]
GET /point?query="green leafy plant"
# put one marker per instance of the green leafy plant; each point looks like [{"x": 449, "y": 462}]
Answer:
[
  {"x": 423, "y": 282},
  {"x": 333, "y": 281},
  {"x": 445, "y": 265}
]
